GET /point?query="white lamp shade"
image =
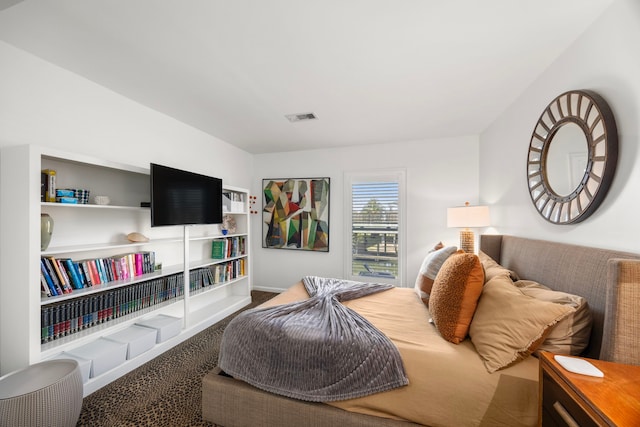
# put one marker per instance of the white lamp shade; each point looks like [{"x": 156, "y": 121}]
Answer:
[{"x": 468, "y": 216}]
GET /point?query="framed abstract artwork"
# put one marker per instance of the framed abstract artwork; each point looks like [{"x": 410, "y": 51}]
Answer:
[{"x": 295, "y": 214}]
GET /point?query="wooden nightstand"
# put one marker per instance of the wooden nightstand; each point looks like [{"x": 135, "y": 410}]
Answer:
[{"x": 570, "y": 399}]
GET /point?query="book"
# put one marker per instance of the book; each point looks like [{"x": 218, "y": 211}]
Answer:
[
  {"x": 95, "y": 276},
  {"x": 149, "y": 261},
  {"x": 65, "y": 282},
  {"x": 122, "y": 266},
  {"x": 43, "y": 186},
  {"x": 79, "y": 273},
  {"x": 131, "y": 266},
  {"x": 54, "y": 322},
  {"x": 45, "y": 333},
  {"x": 44, "y": 288},
  {"x": 51, "y": 268},
  {"x": 50, "y": 187},
  {"x": 53, "y": 276},
  {"x": 45, "y": 274},
  {"x": 138, "y": 263},
  {"x": 101, "y": 273},
  {"x": 218, "y": 249},
  {"x": 216, "y": 274},
  {"x": 72, "y": 273},
  {"x": 106, "y": 264},
  {"x": 86, "y": 275},
  {"x": 104, "y": 276},
  {"x": 114, "y": 270}
]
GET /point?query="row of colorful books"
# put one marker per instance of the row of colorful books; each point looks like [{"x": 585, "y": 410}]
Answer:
[
  {"x": 228, "y": 248},
  {"x": 228, "y": 271},
  {"x": 72, "y": 316},
  {"x": 60, "y": 276}
]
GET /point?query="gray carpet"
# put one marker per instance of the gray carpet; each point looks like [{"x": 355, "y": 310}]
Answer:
[{"x": 165, "y": 391}]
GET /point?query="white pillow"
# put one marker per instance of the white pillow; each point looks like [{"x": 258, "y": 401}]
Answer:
[{"x": 429, "y": 270}]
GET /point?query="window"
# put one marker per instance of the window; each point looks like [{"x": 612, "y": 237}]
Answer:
[{"x": 374, "y": 223}]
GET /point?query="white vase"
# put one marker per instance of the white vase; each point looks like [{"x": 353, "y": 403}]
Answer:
[{"x": 46, "y": 229}]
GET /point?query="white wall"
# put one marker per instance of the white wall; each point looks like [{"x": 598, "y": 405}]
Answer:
[
  {"x": 440, "y": 173},
  {"x": 45, "y": 105},
  {"x": 604, "y": 59}
]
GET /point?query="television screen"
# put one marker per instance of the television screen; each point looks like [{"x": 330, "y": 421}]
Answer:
[{"x": 180, "y": 197}]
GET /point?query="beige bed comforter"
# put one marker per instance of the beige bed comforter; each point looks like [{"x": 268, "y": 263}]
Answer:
[{"x": 448, "y": 383}]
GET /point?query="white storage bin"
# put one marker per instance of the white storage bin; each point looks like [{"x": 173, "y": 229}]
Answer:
[
  {"x": 237, "y": 206},
  {"x": 138, "y": 339},
  {"x": 103, "y": 353},
  {"x": 166, "y": 326}
]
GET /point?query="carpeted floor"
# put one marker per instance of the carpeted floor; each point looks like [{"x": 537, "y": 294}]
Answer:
[{"x": 165, "y": 391}]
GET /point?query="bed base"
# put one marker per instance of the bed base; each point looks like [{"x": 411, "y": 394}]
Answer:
[{"x": 232, "y": 403}]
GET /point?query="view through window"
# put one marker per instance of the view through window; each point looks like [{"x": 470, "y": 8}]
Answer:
[{"x": 375, "y": 228}]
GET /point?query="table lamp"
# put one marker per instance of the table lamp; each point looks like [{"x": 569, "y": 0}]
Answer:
[{"x": 467, "y": 217}]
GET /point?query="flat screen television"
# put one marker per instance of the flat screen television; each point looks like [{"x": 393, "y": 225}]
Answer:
[{"x": 179, "y": 197}]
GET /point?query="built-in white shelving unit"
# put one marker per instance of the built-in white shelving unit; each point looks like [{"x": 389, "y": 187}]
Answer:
[{"x": 98, "y": 231}]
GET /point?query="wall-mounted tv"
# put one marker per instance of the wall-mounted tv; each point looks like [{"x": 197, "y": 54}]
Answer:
[{"x": 179, "y": 197}]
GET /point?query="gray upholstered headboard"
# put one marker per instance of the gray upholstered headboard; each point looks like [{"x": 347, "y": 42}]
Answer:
[{"x": 608, "y": 279}]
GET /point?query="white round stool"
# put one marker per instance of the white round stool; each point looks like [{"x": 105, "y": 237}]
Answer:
[{"x": 43, "y": 394}]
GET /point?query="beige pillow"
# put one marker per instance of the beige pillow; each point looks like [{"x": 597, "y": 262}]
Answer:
[
  {"x": 492, "y": 268},
  {"x": 509, "y": 325},
  {"x": 455, "y": 294},
  {"x": 571, "y": 334},
  {"x": 429, "y": 269}
]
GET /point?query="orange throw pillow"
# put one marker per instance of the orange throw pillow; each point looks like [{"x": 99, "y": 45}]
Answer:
[{"x": 454, "y": 295}]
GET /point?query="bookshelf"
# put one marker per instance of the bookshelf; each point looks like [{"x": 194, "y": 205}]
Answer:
[{"x": 89, "y": 231}]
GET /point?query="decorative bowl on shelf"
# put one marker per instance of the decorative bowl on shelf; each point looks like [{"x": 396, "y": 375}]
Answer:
[
  {"x": 101, "y": 200},
  {"x": 136, "y": 237}
]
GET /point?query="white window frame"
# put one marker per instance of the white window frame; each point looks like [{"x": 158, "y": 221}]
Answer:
[{"x": 385, "y": 175}]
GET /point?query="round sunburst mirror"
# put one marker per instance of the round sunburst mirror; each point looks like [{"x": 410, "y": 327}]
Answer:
[{"x": 572, "y": 157}]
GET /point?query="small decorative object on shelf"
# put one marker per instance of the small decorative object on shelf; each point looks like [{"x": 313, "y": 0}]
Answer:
[
  {"x": 136, "y": 237},
  {"x": 101, "y": 200},
  {"x": 228, "y": 225},
  {"x": 46, "y": 229},
  {"x": 65, "y": 196},
  {"x": 82, "y": 195}
]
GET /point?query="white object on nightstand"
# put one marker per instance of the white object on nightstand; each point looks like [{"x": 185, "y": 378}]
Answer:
[{"x": 578, "y": 366}]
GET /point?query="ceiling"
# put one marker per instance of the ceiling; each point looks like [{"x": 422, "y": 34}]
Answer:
[{"x": 372, "y": 71}]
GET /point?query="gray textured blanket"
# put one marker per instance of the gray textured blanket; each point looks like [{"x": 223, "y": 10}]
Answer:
[{"x": 316, "y": 350}]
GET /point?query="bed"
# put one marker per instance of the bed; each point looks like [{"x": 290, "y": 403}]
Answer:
[{"x": 455, "y": 387}]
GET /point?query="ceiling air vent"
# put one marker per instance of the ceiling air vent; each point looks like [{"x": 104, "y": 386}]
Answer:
[{"x": 301, "y": 117}]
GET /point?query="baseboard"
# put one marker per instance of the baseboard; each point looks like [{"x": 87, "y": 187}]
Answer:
[{"x": 268, "y": 289}]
